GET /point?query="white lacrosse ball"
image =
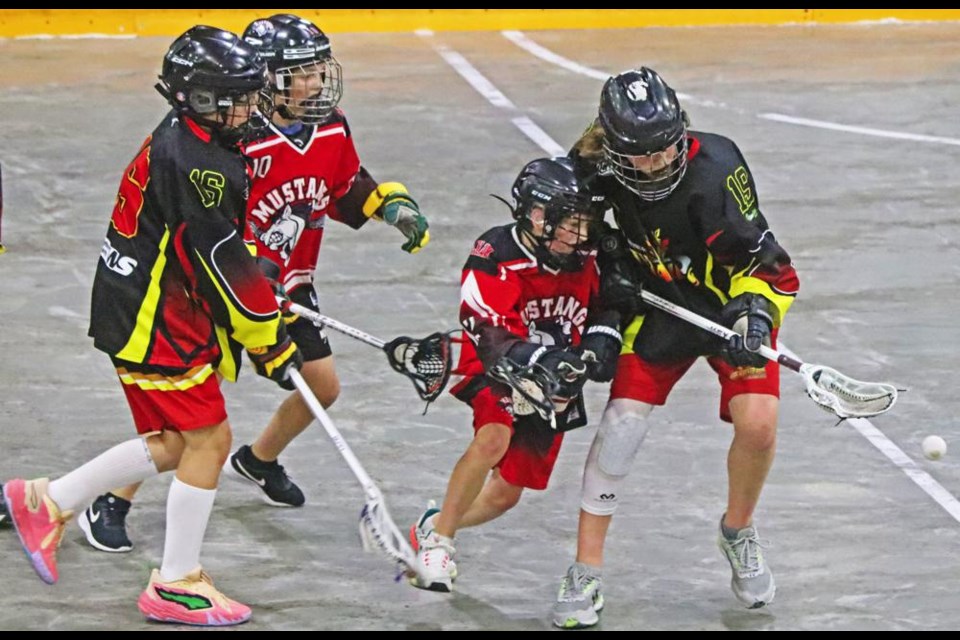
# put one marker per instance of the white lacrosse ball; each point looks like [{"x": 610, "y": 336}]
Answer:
[{"x": 934, "y": 447}]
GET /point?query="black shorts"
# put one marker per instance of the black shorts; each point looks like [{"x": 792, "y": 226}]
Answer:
[{"x": 311, "y": 341}]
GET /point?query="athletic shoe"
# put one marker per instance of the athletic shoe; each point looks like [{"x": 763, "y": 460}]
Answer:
[
  {"x": 435, "y": 569},
  {"x": 191, "y": 600},
  {"x": 424, "y": 525},
  {"x": 39, "y": 523},
  {"x": 752, "y": 581},
  {"x": 278, "y": 489},
  {"x": 580, "y": 598},
  {"x": 104, "y": 524}
]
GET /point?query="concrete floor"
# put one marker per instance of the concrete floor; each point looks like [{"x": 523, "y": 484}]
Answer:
[{"x": 871, "y": 223}]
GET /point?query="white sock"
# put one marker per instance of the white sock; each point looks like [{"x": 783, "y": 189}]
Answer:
[
  {"x": 188, "y": 510},
  {"x": 124, "y": 464}
]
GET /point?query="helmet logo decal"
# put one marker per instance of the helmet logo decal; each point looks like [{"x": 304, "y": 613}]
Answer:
[
  {"x": 261, "y": 28},
  {"x": 637, "y": 91},
  {"x": 175, "y": 58}
]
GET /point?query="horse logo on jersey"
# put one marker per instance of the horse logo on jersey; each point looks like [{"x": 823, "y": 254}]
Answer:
[
  {"x": 282, "y": 235},
  {"x": 311, "y": 190}
]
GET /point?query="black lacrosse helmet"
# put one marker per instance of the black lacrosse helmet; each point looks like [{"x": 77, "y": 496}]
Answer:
[
  {"x": 553, "y": 185},
  {"x": 206, "y": 73},
  {"x": 643, "y": 126},
  {"x": 293, "y": 46}
]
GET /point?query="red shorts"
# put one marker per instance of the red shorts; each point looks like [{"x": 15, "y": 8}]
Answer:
[
  {"x": 533, "y": 450},
  {"x": 638, "y": 379},
  {"x": 183, "y": 402}
]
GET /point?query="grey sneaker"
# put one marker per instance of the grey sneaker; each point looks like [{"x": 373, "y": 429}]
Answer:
[
  {"x": 752, "y": 581},
  {"x": 580, "y": 598}
]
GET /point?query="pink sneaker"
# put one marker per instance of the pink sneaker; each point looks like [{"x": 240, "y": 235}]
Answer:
[
  {"x": 38, "y": 522},
  {"x": 190, "y": 600}
]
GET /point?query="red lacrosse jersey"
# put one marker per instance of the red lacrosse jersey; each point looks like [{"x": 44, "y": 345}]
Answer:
[
  {"x": 296, "y": 184},
  {"x": 503, "y": 288}
]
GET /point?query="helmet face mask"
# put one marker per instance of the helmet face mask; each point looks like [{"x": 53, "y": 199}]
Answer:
[
  {"x": 645, "y": 133},
  {"x": 651, "y": 176},
  {"x": 306, "y": 81},
  {"x": 214, "y": 78},
  {"x": 555, "y": 214}
]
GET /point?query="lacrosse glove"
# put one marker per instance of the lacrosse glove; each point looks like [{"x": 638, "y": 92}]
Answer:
[
  {"x": 393, "y": 204},
  {"x": 600, "y": 349},
  {"x": 751, "y": 317},
  {"x": 271, "y": 271},
  {"x": 274, "y": 362}
]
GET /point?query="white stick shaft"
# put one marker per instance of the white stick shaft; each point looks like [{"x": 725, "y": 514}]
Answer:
[
  {"x": 711, "y": 326},
  {"x": 317, "y": 410},
  {"x": 320, "y": 319}
]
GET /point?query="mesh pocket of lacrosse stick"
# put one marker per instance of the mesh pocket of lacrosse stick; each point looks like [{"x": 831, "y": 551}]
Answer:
[
  {"x": 378, "y": 531},
  {"x": 426, "y": 362},
  {"x": 844, "y": 396},
  {"x": 533, "y": 388}
]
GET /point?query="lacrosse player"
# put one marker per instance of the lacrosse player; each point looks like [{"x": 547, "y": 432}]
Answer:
[
  {"x": 691, "y": 230},
  {"x": 175, "y": 296},
  {"x": 527, "y": 302},
  {"x": 305, "y": 170}
]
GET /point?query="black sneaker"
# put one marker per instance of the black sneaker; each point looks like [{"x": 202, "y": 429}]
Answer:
[
  {"x": 4, "y": 520},
  {"x": 104, "y": 523},
  {"x": 278, "y": 489}
]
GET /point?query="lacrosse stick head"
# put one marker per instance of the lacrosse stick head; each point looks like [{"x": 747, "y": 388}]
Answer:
[
  {"x": 379, "y": 532},
  {"x": 427, "y": 362},
  {"x": 844, "y": 396},
  {"x": 533, "y": 387}
]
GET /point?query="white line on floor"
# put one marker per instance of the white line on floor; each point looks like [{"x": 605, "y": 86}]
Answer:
[
  {"x": 528, "y": 45},
  {"x": 896, "y": 455},
  {"x": 493, "y": 95}
]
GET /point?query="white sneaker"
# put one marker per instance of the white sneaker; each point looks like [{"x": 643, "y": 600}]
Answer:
[
  {"x": 423, "y": 526},
  {"x": 436, "y": 569},
  {"x": 752, "y": 581}
]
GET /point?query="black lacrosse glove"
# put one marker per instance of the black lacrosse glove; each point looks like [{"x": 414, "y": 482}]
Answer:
[
  {"x": 569, "y": 369},
  {"x": 621, "y": 283},
  {"x": 271, "y": 271},
  {"x": 751, "y": 317},
  {"x": 600, "y": 349},
  {"x": 274, "y": 362},
  {"x": 562, "y": 364}
]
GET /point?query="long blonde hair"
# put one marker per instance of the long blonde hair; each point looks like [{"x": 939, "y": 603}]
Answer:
[{"x": 590, "y": 145}]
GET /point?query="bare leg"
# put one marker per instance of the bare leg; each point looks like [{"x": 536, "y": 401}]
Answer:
[
  {"x": 751, "y": 454},
  {"x": 467, "y": 480},
  {"x": 496, "y": 498},
  {"x": 202, "y": 455},
  {"x": 293, "y": 416},
  {"x": 591, "y": 537}
]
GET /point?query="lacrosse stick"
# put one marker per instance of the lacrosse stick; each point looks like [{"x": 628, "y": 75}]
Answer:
[
  {"x": 533, "y": 388},
  {"x": 426, "y": 362},
  {"x": 377, "y": 528},
  {"x": 832, "y": 390}
]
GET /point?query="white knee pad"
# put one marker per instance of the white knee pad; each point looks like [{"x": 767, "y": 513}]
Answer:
[{"x": 622, "y": 429}]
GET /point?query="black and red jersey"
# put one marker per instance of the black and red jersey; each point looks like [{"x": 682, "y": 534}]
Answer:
[
  {"x": 299, "y": 181},
  {"x": 175, "y": 285},
  {"x": 506, "y": 297},
  {"x": 706, "y": 243}
]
